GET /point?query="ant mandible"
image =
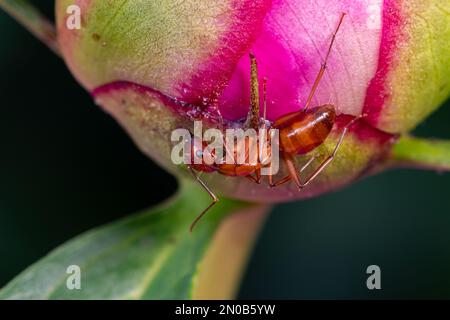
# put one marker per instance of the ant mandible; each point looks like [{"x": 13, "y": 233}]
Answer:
[{"x": 300, "y": 132}]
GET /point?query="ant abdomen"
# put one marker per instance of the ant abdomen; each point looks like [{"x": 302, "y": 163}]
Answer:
[{"x": 302, "y": 131}]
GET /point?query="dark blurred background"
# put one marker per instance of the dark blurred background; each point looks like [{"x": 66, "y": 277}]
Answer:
[{"x": 66, "y": 167}]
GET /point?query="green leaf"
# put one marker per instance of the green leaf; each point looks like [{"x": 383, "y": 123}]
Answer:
[
  {"x": 422, "y": 153},
  {"x": 151, "y": 255}
]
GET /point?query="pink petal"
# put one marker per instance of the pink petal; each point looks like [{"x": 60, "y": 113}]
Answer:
[
  {"x": 290, "y": 49},
  {"x": 392, "y": 36}
]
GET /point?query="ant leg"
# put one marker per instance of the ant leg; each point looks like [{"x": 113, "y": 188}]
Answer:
[
  {"x": 264, "y": 127},
  {"x": 229, "y": 154},
  {"x": 264, "y": 102},
  {"x": 330, "y": 158},
  {"x": 256, "y": 179},
  {"x": 280, "y": 182},
  {"x": 323, "y": 65},
  {"x": 211, "y": 194},
  {"x": 258, "y": 176},
  {"x": 258, "y": 171},
  {"x": 270, "y": 177},
  {"x": 292, "y": 173}
]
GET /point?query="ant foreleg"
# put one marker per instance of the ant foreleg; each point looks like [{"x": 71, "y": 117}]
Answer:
[
  {"x": 253, "y": 179},
  {"x": 258, "y": 176},
  {"x": 256, "y": 179},
  {"x": 292, "y": 172},
  {"x": 323, "y": 66},
  {"x": 330, "y": 158},
  {"x": 279, "y": 182},
  {"x": 211, "y": 194}
]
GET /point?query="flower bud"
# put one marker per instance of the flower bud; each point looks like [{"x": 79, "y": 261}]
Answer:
[{"x": 157, "y": 65}]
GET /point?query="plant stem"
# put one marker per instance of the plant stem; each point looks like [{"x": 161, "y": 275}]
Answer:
[
  {"x": 222, "y": 267},
  {"x": 422, "y": 153},
  {"x": 33, "y": 20}
]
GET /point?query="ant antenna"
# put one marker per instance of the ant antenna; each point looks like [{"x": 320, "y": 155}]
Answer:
[
  {"x": 265, "y": 101},
  {"x": 211, "y": 194},
  {"x": 324, "y": 65}
]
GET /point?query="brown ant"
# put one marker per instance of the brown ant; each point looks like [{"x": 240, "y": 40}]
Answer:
[{"x": 300, "y": 132}]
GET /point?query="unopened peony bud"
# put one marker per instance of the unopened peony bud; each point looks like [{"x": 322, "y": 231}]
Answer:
[{"x": 157, "y": 65}]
